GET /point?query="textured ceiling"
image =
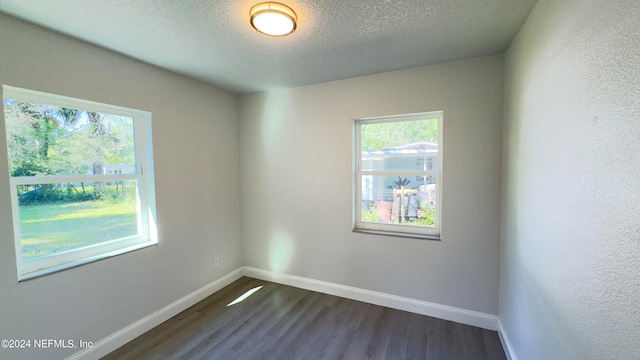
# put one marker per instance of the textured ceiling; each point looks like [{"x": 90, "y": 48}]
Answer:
[{"x": 211, "y": 40}]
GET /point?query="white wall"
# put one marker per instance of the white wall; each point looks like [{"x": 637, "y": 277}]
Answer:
[
  {"x": 297, "y": 177},
  {"x": 195, "y": 139},
  {"x": 570, "y": 255}
]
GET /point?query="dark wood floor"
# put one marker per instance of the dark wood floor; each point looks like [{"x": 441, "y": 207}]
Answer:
[{"x": 283, "y": 322}]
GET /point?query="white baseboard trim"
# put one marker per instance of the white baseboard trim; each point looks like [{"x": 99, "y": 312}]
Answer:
[
  {"x": 463, "y": 316},
  {"x": 506, "y": 344},
  {"x": 119, "y": 338}
]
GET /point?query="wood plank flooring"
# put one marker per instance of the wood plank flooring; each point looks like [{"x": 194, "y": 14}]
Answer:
[{"x": 282, "y": 322}]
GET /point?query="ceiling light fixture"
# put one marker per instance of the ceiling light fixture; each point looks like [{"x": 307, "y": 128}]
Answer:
[{"x": 272, "y": 18}]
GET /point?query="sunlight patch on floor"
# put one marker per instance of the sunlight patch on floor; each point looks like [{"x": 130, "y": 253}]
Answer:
[{"x": 244, "y": 296}]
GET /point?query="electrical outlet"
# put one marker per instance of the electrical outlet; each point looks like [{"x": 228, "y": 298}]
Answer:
[{"x": 216, "y": 262}]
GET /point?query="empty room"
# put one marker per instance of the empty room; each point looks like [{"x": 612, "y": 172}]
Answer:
[{"x": 356, "y": 179}]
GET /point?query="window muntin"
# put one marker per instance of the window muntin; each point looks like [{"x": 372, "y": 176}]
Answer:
[
  {"x": 81, "y": 177},
  {"x": 398, "y": 173}
]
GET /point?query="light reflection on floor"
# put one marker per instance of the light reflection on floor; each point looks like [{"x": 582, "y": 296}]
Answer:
[{"x": 244, "y": 296}]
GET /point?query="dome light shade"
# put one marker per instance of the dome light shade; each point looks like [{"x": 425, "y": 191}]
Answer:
[{"x": 272, "y": 18}]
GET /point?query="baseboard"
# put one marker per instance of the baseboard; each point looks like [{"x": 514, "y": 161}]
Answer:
[
  {"x": 116, "y": 340},
  {"x": 506, "y": 344},
  {"x": 463, "y": 316}
]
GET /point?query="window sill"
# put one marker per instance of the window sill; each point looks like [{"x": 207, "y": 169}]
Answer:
[
  {"x": 398, "y": 234},
  {"x": 73, "y": 264}
]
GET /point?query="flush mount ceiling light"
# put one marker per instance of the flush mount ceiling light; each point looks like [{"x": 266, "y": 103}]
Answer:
[{"x": 272, "y": 18}]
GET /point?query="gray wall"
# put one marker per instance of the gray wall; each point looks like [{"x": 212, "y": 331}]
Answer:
[
  {"x": 570, "y": 280},
  {"x": 195, "y": 147},
  {"x": 297, "y": 184}
]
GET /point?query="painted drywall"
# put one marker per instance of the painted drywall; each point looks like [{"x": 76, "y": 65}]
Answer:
[
  {"x": 296, "y": 150},
  {"x": 570, "y": 249},
  {"x": 195, "y": 138}
]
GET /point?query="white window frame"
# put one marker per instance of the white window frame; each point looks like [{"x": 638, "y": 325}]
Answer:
[
  {"x": 433, "y": 233},
  {"x": 144, "y": 175}
]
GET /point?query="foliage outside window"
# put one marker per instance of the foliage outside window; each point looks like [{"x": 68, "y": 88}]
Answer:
[
  {"x": 398, "y": 167},
  {"x": 81, "y": 177}
]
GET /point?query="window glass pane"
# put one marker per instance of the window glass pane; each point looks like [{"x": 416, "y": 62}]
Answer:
[
  {"x": 55, "y": 218},
  {"x": 51, "y": 140},
  {"x": 398, "y": 200},
  {"x": 400, "y": 146}
]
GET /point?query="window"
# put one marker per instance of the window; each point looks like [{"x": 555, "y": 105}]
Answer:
[
  {"x": 398, "y": 175},
  {"x": 82, "y": 185}
]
